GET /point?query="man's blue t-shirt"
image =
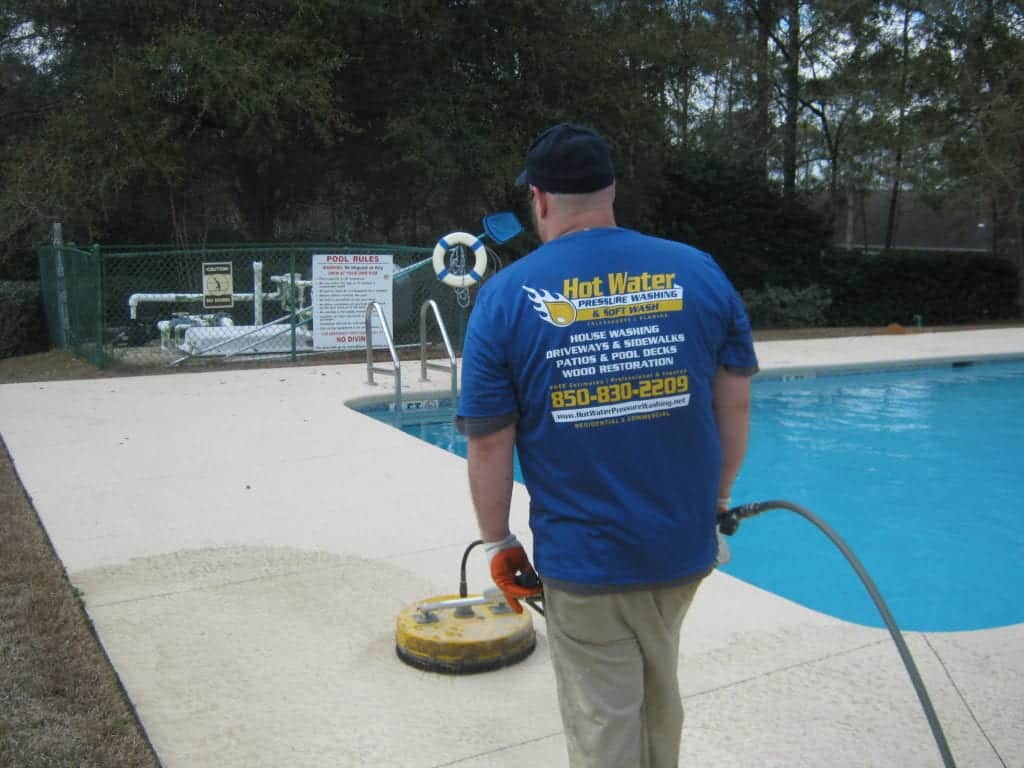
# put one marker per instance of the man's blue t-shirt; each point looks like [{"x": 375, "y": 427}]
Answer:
[{"x": 603, "y": 345}]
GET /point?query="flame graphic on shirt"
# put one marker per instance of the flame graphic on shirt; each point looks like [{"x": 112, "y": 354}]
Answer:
[{"x": 553, "y": 308}]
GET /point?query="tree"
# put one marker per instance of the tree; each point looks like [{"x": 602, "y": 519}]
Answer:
[
  {"x": 901, "y": 106},
  {"x": 977, "y": 115},
  {"x": 145, "y": 120},
  {"x": 186, "y": 103},
  {"x": 27, "y": 98}
]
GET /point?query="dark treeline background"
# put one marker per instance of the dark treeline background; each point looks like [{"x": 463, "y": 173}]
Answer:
[{"x": 740, "y": 126}]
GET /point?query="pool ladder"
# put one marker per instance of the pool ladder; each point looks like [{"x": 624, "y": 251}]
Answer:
[
  {"x": 395, "y": 370},
  {"x": 453, "y": 365}
]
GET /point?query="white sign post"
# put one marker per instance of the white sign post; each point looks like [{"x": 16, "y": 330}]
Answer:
[{"x": 343, "y": 285}]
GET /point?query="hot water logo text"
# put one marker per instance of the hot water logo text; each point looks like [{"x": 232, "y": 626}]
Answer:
[
  {"x": 617, "y": 295},
  {"x": 617, "y": 372}
]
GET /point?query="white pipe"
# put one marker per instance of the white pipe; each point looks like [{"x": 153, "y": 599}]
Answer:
[
  {"x": 257, "y": 289},
  {"x": 165, "y": 333},
  {"x": 180, "y": 298},
  {"x": 138, "y": 298},
  {"x": 177, "y": 298}
]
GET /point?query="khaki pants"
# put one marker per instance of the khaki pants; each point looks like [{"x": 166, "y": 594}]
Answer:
[{"x": 615, "y": 658}]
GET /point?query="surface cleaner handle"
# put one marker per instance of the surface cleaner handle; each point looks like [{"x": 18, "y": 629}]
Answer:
[{"x": 490, "y": 595}]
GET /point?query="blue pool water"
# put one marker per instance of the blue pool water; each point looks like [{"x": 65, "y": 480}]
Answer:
[{"x": 920, "y": 472}]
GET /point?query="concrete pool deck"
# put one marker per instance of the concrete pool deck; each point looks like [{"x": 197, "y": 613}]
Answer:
[{"x": 243, "y": 543}]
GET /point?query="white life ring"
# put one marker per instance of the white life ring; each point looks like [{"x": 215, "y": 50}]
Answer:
[{"x": 449, "y": 241}]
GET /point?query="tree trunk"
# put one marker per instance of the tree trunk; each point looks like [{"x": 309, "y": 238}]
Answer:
[
  {"x": 897, "y": 178},
  {"x": 1017, "y": 251},
  {"x": 687, "y": 93},
  {"x": 792, "y": 76},
  {"x": 833, "y": 183},
  {"x": 765, "y": 23}
]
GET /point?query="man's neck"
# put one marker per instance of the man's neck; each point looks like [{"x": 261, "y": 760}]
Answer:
[{"x": 582, "y": 222}]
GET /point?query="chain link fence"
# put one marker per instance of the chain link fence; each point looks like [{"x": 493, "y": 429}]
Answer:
[
  {"x": 151, "y": 306},
  {"x": 71, "y": 283}
]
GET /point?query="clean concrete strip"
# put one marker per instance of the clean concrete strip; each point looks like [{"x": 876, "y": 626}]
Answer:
[
  {"x": 244, "y": 542},
  {"x": 780, "y": 358}
]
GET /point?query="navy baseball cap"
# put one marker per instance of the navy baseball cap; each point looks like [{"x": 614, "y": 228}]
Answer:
[{"x": 568, "y": 159}]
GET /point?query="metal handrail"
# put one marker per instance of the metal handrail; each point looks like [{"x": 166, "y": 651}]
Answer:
[
  {"x": 372, "y": 307},
  {"x": 453, "y": 365}
]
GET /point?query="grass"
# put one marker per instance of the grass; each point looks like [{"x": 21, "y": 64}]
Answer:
[{"x": 61, "y": 704}]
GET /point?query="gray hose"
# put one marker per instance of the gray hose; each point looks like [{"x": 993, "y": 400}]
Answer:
[{"x": 729, "y": 521}]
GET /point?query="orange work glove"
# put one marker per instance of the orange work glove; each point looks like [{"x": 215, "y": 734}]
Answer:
[{"x": 509, "y": 559}]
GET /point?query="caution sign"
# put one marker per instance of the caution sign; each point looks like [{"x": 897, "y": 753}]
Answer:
[{"x": 218, "y": 285}]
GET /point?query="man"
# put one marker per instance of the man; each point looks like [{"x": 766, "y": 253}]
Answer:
[{"x": 619, "y": 365}]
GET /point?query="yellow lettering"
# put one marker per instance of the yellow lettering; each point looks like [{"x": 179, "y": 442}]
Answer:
[
  {"x": 575, "y": 288},
  {"x": 666, "y": 280},
  {"x": 617, "y": 281},
  {"x": 623, "y": 282}
]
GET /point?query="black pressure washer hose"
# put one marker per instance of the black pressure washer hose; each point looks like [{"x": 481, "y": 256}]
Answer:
[{"x": 729, "y": 522}]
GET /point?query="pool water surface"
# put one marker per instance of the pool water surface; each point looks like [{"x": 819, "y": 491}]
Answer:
[{"x": 920, "y": 472}]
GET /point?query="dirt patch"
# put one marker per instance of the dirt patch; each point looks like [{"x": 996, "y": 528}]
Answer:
[{"x": 45, "y": 366}]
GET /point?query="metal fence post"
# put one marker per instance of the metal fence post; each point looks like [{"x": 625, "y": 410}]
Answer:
[
  {"x": 63, "y": 323},
  {"x": 97, "y": 254},
  {"x": 293, "y": 301}
]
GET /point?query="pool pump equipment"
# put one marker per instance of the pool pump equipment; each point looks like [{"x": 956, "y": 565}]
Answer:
[{"x": 462, "y": 634}]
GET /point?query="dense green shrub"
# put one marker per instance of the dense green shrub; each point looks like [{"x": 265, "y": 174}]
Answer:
[
  {"x": 725, "y": 208},
  {"x": 941, "y": 288},
  {"x": 777, "y": 307},
  {"x": 22, "y": 324},
  {"x": 874, "y": 289}
]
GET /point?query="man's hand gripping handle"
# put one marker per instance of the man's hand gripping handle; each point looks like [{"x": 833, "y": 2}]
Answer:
[{"x": 512, "y": 571}]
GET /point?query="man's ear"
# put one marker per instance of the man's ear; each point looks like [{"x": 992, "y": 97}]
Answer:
[{"x": 542, "y": 201}]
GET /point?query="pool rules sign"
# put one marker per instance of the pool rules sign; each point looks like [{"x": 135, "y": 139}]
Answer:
[{"x": 343, "y": 285}]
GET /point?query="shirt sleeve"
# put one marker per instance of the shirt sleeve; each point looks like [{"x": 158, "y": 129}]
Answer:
[
  {"x": 737, "y": 353},
  {"x": 488, "y": 389}
]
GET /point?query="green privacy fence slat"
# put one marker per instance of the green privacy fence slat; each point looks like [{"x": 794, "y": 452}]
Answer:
[{"x": 98, "y": 319}]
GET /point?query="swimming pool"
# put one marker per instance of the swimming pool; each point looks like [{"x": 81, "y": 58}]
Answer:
[{"x": 920, "y": 472}]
